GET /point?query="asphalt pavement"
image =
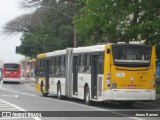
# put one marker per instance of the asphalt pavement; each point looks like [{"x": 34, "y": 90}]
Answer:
[
  {"x": 25, "y": 97},
  {"x": 31, "y": 82}
]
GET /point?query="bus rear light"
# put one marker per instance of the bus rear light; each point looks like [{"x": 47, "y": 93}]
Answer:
[
  {"x": 108, "y": 76},
  {"x": 114, "y": 85},
  {"x": 108, "y": 82}
]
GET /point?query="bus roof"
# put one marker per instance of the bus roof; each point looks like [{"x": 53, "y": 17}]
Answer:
[
  {"x": 12, "y": 63},
  {"x": 94, "y": 48},
  {"x": 54, "y": 53},
  {"x": 43, "y": 55}
]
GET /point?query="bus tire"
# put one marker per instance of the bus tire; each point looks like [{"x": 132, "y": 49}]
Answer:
[
  {"x": 87, "y": 96},
  {"x": 59, "y": 95},
  {"x": 43, "y": 91}
]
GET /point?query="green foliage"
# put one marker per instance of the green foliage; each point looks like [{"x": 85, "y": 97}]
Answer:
[
  {"x": 54, "y": 32},
  {"x": 95, "y": 20},
  {"x": 120, "y": 20}
]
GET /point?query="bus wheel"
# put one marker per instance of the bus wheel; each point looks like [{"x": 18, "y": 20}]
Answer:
[
  {"x": 59, "y": 92},
  {"x": 87, "y": 96},
  {"x": 43, "y": 91}
]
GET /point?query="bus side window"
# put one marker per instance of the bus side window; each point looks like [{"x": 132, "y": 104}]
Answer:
[
  {"x": 81, "y": 66},
  {"x": 62, "y": 66},
  {"x": 87, "y": 66},
  {"x": 57, "y": 70},
  {"x": 52, "y": 67},
  {"x": 42, "y": 62}
]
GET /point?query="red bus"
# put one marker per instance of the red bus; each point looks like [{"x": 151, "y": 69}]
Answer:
[{"x": 11, "y": 72}]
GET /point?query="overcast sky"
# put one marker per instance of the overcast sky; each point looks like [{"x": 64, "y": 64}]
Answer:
[{"x": 8, "y": 11}]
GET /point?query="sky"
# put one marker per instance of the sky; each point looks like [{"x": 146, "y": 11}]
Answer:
[{"x": 9, "y": 9}]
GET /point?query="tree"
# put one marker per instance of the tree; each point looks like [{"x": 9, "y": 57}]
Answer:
[
  {"x": 54, "y": 31},
  {"x": 28, "y": 4},
  {"x": 119, "y": 20},
  {"x": 25, "y": 23},
  {"x": 49, "y": 27}
]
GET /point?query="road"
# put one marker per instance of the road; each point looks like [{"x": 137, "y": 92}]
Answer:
[{"x": 22, "y": 97}]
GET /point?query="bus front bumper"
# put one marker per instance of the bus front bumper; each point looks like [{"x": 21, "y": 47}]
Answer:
[{"x": 11, "y": 79}]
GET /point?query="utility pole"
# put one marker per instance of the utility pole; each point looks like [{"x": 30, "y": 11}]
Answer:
[
  {"x": 75, "y": 35},
  {"x": 70, "y": 17}
]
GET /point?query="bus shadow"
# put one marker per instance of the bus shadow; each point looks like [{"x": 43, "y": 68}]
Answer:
[
  {"x": 9, "y": 82},
  {"x": 109, "y": 105}
]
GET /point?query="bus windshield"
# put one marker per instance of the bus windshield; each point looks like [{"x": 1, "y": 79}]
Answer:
[
  {"x": 11, "y": 67},
  {"x": 132, "y": 55}
]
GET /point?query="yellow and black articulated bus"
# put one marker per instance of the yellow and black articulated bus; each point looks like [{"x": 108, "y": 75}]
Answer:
[{"x": 124, "y": 73}]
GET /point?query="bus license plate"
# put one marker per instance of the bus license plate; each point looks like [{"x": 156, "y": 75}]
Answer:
[{"x": 131, "y": 86}]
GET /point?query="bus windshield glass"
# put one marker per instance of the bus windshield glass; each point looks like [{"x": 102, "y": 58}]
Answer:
[
  {"x": 132, "y": 55},
  {"x": 11, "y": 67}
]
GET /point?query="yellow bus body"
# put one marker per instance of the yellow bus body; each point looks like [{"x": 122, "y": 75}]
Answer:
[{"x": 119, "y": 83}]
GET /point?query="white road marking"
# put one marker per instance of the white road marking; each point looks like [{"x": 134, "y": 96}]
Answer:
[
  {"x": 16, "y": 96},
  {"x": 5, "y": 105},
  {"x": 15, "y": 107},
  {"x": 4, "y": 109},
  {"x": 28, "y": 86},
  {"x": 100, "y": 109},
  {"x": 137, "y": 118},
  {"x": 12, "y": 118}
]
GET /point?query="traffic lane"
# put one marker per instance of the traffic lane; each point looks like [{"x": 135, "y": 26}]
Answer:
[
  {"x": 21, "y": 87},
  {"x": 35, "y": 102},
  {"x": 8, "y": 111},
  {"x": 44, "y": 108},
  {"x": 26, "y": 89},
  {"x": 139, "y": 105},
  {"x": 32, "y": 103},
  {"x": 38, "y": 103}
]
